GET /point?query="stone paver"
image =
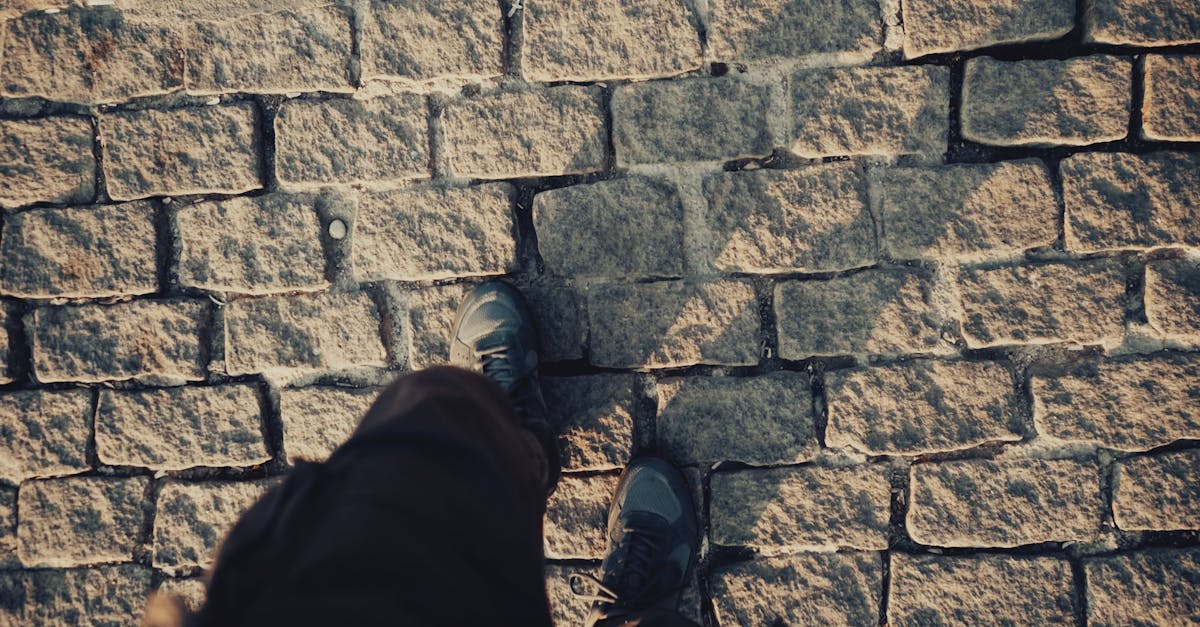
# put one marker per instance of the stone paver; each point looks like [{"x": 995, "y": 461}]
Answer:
[
  {"x": 46, "y": 160},
  {"x": 317, "y": 419},
  {"x": 1171, "y": 109},
  {"x": 8, "y": 533},
  {"x": 577, "y": 515},
  {"x": 1142, "y": 22},
  {"x": 559, "y": 319},
  {"x": 932, "y": 26},
  {"x": 6, "y": 374},
  {"x": 45, "y": 433},
  {"x": 762, "y": 30},
  {"x": 105, "y": 595},
  {"x": 429, "y": 318},
  {"x": 594, "y": 418},
  {"x": 1158, "y": 493},
  {"x": 1155, "y": 587},
  {"x": 422, "y": 41},
  {"x": 79, "y": 520},
  {"x": 192, "y": 591},
  {"x": 809, "y": 589},
  {"x": 1173, "y": 299},
  {"x": 193, "y": 518}
]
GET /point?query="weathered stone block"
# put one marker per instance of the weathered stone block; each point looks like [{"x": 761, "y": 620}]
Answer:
[
  {"x": 1038, "y": 304},
  {"x": 566, "y": 607},
  {"x": 932, "y": 26},
  {"x": 206, "y": 150},
  {"x": 1141, "y": 22},
  {"x": 870, "y": 111},
  {"x": 577, "y": 517},
  {"x": 695, "y": 119},
  {"x": 984, "y": 503},
  {"x": 317, "y": 420},
  {"x": 430, "y": 316},
  {"x": 348, "y": 141},
  {"x": 8, "y": 542},
  {"x": 1156, "y": 587},
  {"x": 45, "y": 433},
  {"x": 763, "y": 30},
  {"x": 813, "y": 219},
  {"x": 760, "y": 420},
  {"x": 1072, "y": 102},
  {"x": 1158, "y": 493},
  {"x": 673, "y": 323},
  {"x": 424, "y": 40},
  {"x": 193, "y": 519},
  {"x": 559, "y": 130},
  {"x": 106, "y": 595},
  {"x": 1171, "y": 109},
  {"x": 46, "y": 160},
  {"x": 79, "y": 520},
  {"x": 810, "y": 589},
  {"x": 192, "y": 591},
  {"x": 594, "y": 418},
  {"x": 1173, "y": 298},
  {"x": 5, "y": 374},
  {"x": 559, "y": 320},
  {"x": 435, "y": 233},
  {"x": 627, "y": 228}
]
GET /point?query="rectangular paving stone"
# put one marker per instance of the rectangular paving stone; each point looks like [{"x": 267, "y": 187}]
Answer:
[
  {"x": 559, "y": 318},
  {"x": 326, "y": 331},
  {"x": 1082, "y": 303},
  {"x": 627, "y": 228},
  {"x": 1156, "y": 587},
  {"x": 1132, "y": 405},
  {"x": 316, "y": 420},
  {"x": 698, "y": 119},
  {"x": 577, "y": 516},
  {"x": 593, "y": 415},
  {"x": 1171, "y": 105},
  {"x": 806, "y": 508},
  {"x": 79, "y": 520},
  {"x": 184, "y": 427},
  {"x": 967, "y": 211},
  {"x": 673, "y": 323},
  {"x": 291, "y": 51},
  {"x": 1159, "y": 492},
  {"x": 922, "y": 407},
  {"x": 8, "y": 541},
  {"x": 46, "y": 160},
  {"x": 435, "y": 233},
  {"x": 262, "y": 245},
  {"x": 191, "y": 591},
  {"x": 421, "y": 41},
  {"x": 429, "y": 317},
  {"x": 812, "y": 219},
  {"x": 85, "y": 252},
  {"x": 105, "y": 595},
  {"x": 933, "y": 26},
  {"x": 1173, "y": 299},
  {"x": 984, "y": 503},
  {"x": 766, "y": 30},
  {"x": 45, "y": 433},
  {"x": 88, "y": 56},
  {"x": 193, "y": 518},
  {"x": 876, "y": 311},
  {"x": 870, "y": 111},
  {"x": 648, "y": 40},
  {"x": 759, "y": 420},
  {"x": 345, "y": 140},
  {"x": 558, "y": 130},
  {"x": 1072, "y": 102},
  {"x": 1119, "y": 200},
  {"x": 807, "y": 589},
  {"x": 141, "y": 339},
  {"x": 1141, "y": 22},
  {"x": 984, "y": 590},
  {"x": 205, "y": 150}
]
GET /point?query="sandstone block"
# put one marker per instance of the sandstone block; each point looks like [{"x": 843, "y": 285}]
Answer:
[
  {"x": 577, "y": 516},
  {"x": 932, "y": 26},
  {"x": 105, "y": 595},
  {"x": 184, "y": 151},
  {"x": 193, "y": 519},
  {"x": 673, "y": 323},
  {"x": 79, "y": 520},
  {"x": 1072, "y": 102},
  {"x": 559, "y": 320},
  {"x": 626, "y": 228},
  {"x": 46, "y": 160},
  {"x": 1141, "y": 22},
  {"x": 192, "y": 591},
  {"x": 422, "y": 40},
  {"x": 762, "y": 30},
  {"x": 983, "y": 503},
  {"x": 594, "y": 418},
  {"x": 430, "y": 318},
  {"x": 1171, "y": 109},
  {"x": 812, "y": 219},
  {"x": 1158, "y": 493},
  {"x": 1154, "y": 587},
  {"x": 45, "y": 433},
  {"x": 316, "y": 420},
  {"x": 807, "y": 589},
  {"x": 870, "y": 111},
  {"x": 1173, "y": 298},
  {"x": 559, "y": 130},
  {"x": 697, "y": 119},
  {"x": 566, "y": 608}
]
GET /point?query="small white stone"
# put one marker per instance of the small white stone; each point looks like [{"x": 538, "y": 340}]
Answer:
[
  {"x": 337, "y": 229},
  {"x": 214, "y": 101},
  {"x": 292, "y": 94}
]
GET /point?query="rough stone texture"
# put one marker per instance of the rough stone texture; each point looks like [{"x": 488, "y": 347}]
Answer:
[
  {"x": 1129, "y": 406},
  {"x": 141, "y": 339},
  {"x": 1082, "y": 303},
  {"x": 425, "y": 40},
  {"x": 1159, "y": 493},
  {"x": 784, "y": 510},
  {"x": 922, "y": 407},
  {"x": 435, "y": 233},
  {"x": 813, "y": 589},
  {"x": 566, "y": 608},
  {"x": 870, "y": 111},
  {"x": 673, "y": 323},
  {"x": 559, "y": 320},
  {"x": 89, "y": 252},
  {"x": 348, "y": 141},
  {"x": 877, "y": 311},
  {"x": 625, "y": 228},
  {"x": 932, "y": 26},
  {"x": 1142, "y": 22},
  {"x": 271, "y": 53},
  {"x": 5, "y": 372},
  {"x": 577, "y": 515},
  {"x": 760, "y": 420},
  {"x": 644, "y": 40},
  {"x": 765, "y": 30},
  {"x": 985, "y": 590},
  {"x": 983, "y": 503},
  {"x": 183, "y": 151},
  {"x": 327, "y": 331},
  {"x": 1171, "y": 108},
  {"x": 812, "y": 219},
  {"x": 177, "y": 428},
  {"x": 79, "y": 520},
  {"x": 594, "y": 419},
  {"x": 1118, "y": 200},
  {"x": 430, "y": 317},
  {"x": 46, "y": 160},
  {"x": 558, "y": 130},
  {"x": 690, "y": 120},
  {"x": 44, "y": 433},
  {"x": 89, "y": 55},
  {"x": 193, "y": 519},
  {"x": 1144, "y": 588},
  {"x": 967, "y": 211},
  {"x": 87, "y": 597},
  {"x": 192, "y": 591},
  {"x": 1173, "y": 298},
  {"x": 8, "y": 538},
  {"x": 1073, "y": 102},
  {"x": 318, "y": 419},
  {"x": 257, "y": 245}
]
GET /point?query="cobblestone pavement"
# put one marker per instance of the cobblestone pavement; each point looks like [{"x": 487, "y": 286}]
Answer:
[{"x": 913, "y": 294}]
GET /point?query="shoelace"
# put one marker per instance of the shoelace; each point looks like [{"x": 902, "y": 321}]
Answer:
[
  {"x": 632, "y": 574},
  {"x": 499, "y": 368}
]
